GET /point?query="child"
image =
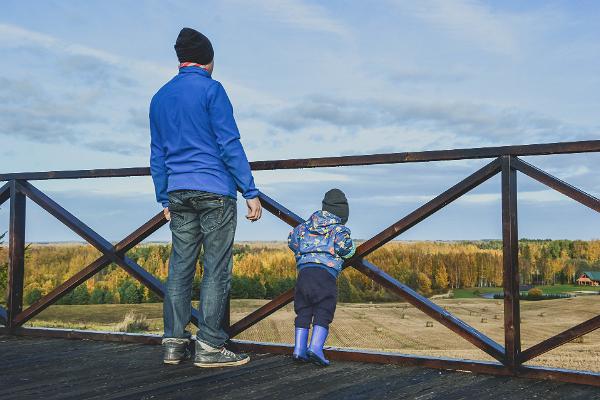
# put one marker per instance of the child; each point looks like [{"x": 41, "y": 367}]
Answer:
[{"x": 320, "y": 245}]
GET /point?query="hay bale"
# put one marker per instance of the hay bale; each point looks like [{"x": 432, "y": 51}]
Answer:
[{"x": 133, "y": 323}]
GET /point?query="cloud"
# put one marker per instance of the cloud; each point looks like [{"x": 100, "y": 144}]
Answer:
[
  {"x": 537, "y": 196},
  {"x": 117, "y": 147},
  {"x": 13, "y": 36},
  {"x": 467, "y": 20},
  {"x": 77, "y": 95},
  {"x": 426, "y": 76},
  {"x": 477, "y": 123},
  {"x": 30, "y": 112},
  {"x": 81, "y": 94},
  {"x": 302, "y": 15}
]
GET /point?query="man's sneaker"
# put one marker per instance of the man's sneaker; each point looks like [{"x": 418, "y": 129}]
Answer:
[
  {"x": 215, "y": 357},
  {"x": 175, "y": 350}
]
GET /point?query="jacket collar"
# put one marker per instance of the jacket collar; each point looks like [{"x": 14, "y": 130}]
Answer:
[{"x": 194, "y": 70}]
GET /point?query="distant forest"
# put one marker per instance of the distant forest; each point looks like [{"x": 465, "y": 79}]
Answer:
[{"x": 263, "y": 270}]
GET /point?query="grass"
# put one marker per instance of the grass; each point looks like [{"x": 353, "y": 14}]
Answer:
[{"x": 470, "y": 293}]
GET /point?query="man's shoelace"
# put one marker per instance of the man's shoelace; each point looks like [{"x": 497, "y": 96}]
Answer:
[{"x": 228, "y": 353}]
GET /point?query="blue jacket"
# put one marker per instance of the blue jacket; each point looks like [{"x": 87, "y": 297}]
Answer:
[
  {"x": 322, "y": 241},
  {"x": 195, "y": 142}
]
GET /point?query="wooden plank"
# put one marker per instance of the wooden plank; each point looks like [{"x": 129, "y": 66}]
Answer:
[
  {"x": 560, "y": 339},
  {"x": 338, "y": 354},
  {"x": 342, "y": 354},
  {"x": 97, "y": 241},
  {"x": 510, "y": 257},
  {"x": 16, "y": 253},
  {"x": 484, "y": 367},
  {"x": 370, "y": 159},
  {"x": 561, "y": 375},
  {"x": 370, "y": 245},
  {"x": 5, "y": 192},
  {"x": 77, "y": 174},
  {"x": 563, "y": 187},
  {"x": 279, "y": 210},
  {"x": 261, "y": 313},
  {"x": 85, "y": 335},
  {"x": 93, "y": 268}
]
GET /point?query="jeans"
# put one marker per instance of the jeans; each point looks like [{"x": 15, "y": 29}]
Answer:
[
  {"x": 315, "y": 297},
  {"x": 199, "y": 219}
]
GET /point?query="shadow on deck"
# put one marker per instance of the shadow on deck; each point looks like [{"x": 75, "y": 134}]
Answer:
[{"x": 34, "y": 368}]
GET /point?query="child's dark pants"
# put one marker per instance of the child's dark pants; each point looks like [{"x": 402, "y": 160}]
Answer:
[{"x": 315, "y": 297}]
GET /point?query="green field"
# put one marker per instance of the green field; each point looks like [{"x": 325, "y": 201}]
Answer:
[{"x": 471, "y": 293}]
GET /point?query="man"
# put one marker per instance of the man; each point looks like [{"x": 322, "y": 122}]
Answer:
[{"x": 198, "y": 164}]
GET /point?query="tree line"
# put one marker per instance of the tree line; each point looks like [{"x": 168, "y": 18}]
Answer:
[{"x": 265, "y": 270}]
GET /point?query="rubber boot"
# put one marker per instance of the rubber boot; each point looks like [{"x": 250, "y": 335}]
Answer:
[
  {"x": 301, "y": 343},
  {"x": 317, "y": 341}
]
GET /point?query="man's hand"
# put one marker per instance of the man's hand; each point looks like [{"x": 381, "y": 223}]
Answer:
[
  {"x": 167, "y": 213},
  {"x": 254, "y": 209}
]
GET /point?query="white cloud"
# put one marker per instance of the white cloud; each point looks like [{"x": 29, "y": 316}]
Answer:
[
  {"x": 12, "y": 35},
  {"x": 300, "y": 14},
  {"x": 467, "y": 20},
  {"x": 15, "y": 36},
  {"x": 570, "y": 172},
  {"x": 537, "y": 196},
  {"x": 297, "y": 176}
]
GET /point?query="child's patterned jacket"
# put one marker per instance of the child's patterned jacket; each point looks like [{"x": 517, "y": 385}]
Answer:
[{"x": 322, "y": 240}]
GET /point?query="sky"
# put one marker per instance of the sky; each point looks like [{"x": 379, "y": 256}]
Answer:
[{"x": 310, "y": 79}]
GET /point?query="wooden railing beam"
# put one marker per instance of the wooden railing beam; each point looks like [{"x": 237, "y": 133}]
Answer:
[
  {"x": 93, "y": 268},
  {"x": 72, "y": 222},
  {"x": 560, "y": 186},
  {"x": 559, "y": 339},
  {"x": 445, "y": 318},
  {"x": 510, "y": 259},
  {"x": 370, "y": 245},
  {"x": 5, "y": 192},
  {"x": 16, "y": 253},
  {"x": 341, "y": 161}
]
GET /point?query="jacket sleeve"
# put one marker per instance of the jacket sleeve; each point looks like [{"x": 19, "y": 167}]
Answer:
[
  {"x": 158, "y": 169},
  {"x": 293, "y": 241},
  {"x": 343, "y": 244},
  {"x": 228, "y": 138}
]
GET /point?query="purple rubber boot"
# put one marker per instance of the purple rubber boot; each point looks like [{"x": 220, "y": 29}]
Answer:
[
  {"x": 317, "y": 341},
  {"x": 301, "y": 343}
]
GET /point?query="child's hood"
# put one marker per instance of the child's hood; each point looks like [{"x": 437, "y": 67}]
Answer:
[{"x": 322, "y": 222}]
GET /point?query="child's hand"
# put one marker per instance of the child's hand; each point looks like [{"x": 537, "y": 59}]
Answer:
[{"x": 167, "y": 213}]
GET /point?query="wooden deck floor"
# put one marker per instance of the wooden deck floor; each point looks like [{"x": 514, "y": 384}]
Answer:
[{"x": 34, "y": 368}]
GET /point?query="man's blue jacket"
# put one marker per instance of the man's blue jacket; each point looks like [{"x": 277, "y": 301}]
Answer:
[{"x": 195, "y": 142}]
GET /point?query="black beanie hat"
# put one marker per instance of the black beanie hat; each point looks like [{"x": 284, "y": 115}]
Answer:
[
  {"x": 336, "y": 203},
  {"x": 192, "y": 46}
]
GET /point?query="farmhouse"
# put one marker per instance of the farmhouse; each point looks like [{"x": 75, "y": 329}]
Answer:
[{"x": 589, "y": 278}]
